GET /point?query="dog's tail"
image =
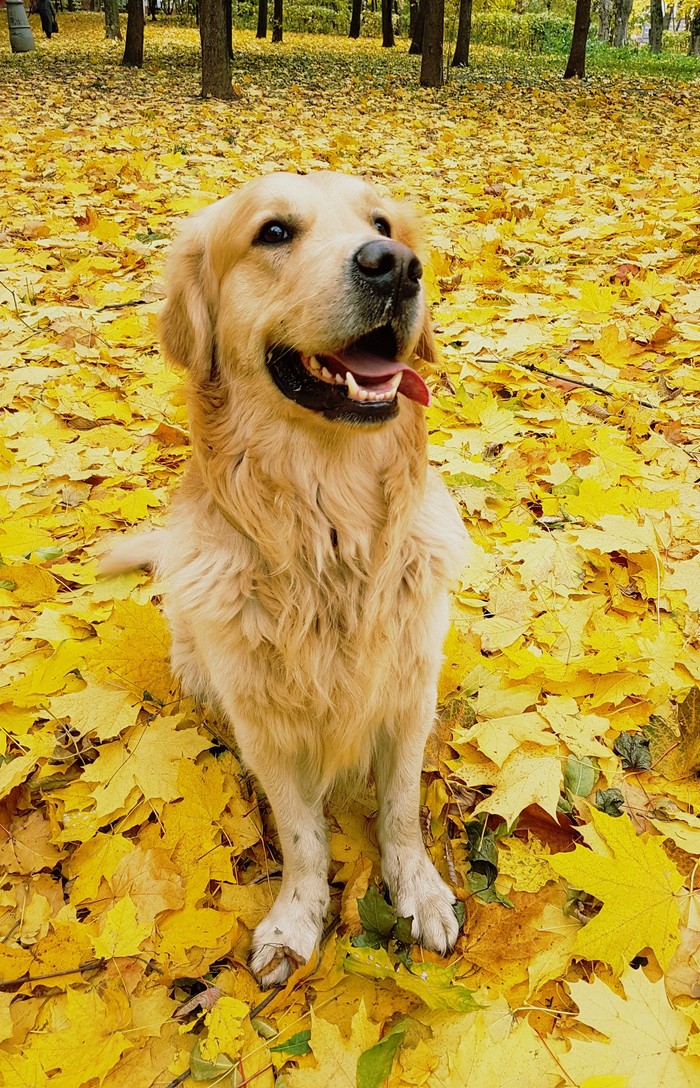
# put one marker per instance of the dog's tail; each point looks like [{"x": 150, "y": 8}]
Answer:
[{"x": 132, "y": 552}]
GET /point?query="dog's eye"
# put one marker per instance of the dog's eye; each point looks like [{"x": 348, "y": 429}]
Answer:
[
  {"x": 273, "y": 233},
  {"x": 382, "y": 225}
]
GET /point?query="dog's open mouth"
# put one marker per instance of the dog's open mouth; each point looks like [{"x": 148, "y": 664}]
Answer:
[{"x": 360, "y": 383}]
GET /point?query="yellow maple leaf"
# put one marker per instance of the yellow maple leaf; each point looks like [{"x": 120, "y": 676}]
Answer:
[
  {"x": 224, "y": 1024},
  {"x": 532, "y": 775},
  {"x": 120, "y": 934},
  {"x": 644, "y": 1035},
  {"x": 637, "y": 884},
  {"x": 132, "y": 650},
  {"x": 336, "y": 1057},
  {"x": 520, "y": 1058}
]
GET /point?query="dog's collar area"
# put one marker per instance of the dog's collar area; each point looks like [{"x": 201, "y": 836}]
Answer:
[{"x": 320, "y": 394}]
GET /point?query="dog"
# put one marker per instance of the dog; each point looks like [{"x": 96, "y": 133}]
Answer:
[{"x": 309, "y": 549}]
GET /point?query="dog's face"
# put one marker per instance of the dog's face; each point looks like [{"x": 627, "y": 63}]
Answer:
[{"x": 311, "y": 282}]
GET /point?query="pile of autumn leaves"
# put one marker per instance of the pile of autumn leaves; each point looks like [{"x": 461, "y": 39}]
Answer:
[{"x": 561, "y": 788}]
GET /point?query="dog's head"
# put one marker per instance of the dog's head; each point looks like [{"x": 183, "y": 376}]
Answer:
[{"x": 311, "y": 281}]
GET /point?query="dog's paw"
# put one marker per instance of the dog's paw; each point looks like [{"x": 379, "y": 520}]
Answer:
[
  {"x": 286, "y": 939},
  {"x": 418, "y": 891}
]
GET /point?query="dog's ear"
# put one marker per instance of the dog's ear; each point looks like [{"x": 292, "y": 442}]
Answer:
[{"x": 187, "y": 319}]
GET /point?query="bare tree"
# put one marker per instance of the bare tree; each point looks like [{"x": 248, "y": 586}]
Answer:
[
  {"x": 228, "y": 12},
  {"x": 387, "y": 25},
  {"x": 576, "y": 65},
  {"x": 464, "y": 35},
  {"x": 261, "y": 31},
  {"x": 355, "y": 19},
  {"x": 433, "y": 38},
  {"x": 622, "y": 10},
  {"x": 216, "y": 65},
  {"x": 133, "y": 46},
  {"x": 604, "y": 20},
  {"x": 694, "y": 28},
  {"x": 277, "y": 20},
  {"x": 656, "y": 27},
  {"x": 416, "y": 46},
  {"x": 112, "y": 27}
]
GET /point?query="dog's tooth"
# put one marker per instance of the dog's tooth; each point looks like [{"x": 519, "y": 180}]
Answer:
[
  {"x": 395, "y": 383},
  {"x": 314, "y": 363},
  {"x": 339, "y": 380},
  {"x": 363, "y": 394},
  {"x": 325, "y": 373},
  {"x": 353, "y": 387}
]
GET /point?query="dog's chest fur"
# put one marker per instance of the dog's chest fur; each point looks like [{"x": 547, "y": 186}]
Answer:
[{"x": 317, "y": 606}]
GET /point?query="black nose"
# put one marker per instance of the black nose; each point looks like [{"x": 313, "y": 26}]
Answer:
[{"x": 388, "y": 266}]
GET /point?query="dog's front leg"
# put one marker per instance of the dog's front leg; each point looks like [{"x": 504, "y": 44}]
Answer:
[
  {"x": 416, "y": 888},
  {"x": 289, "y": 934}
]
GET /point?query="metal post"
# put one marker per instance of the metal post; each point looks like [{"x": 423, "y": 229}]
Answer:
[{"x": 21, "y": 37}]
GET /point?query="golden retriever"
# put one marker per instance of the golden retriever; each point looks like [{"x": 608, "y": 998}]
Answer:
[{"x": 309, "y": 548}]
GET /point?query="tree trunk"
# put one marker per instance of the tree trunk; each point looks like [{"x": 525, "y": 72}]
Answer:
[
  {"x": 668, "y": 16},
  {"x": 261, "y": 32},
  {"x": 151, "y": 12},
  {"x": 387, "y": 25},
  {"x": 228, "y": 12},
  {"x": 133, "y": 47},
  {"x": 694, "y": 27},
  {"x": 433, "y": 37},
  {"x": 416, "y": 46},
  {"x": 412, "y": 16},
  {"x": 623, "y": 10},
  {"x": 577, "y": 57},
  {"x": 355, "y": 19},
  {"x": 604, "y": 20},
  {"x": 656, "y": 29},
  {"x": 112, "y": 27},
  {"x": 216, "y": 66},
  {"x": 464, "y": 34},
  {"x": 277, "y": 20}
]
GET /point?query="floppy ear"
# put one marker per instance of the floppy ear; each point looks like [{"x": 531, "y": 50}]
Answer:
[{"x": 187, "y": 319}]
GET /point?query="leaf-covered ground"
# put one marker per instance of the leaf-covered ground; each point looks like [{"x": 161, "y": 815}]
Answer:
[{"x": 561, "y": 791}]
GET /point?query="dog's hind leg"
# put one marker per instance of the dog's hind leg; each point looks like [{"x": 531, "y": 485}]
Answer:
[
  {"x": 291, "y": 931},
  {"x": 416, "y": 888}
]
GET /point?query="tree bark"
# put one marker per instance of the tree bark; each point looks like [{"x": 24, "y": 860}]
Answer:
[
  {"x": 133, "y": 46},
  {"x": 623, "y": 10},
  {"x": 412, "y": 16},
  {"x": 656, "y": 29},
  {"x": 694, "y": 27},
  {"x": 576, "y": 65},
  {"x": 277, "y": 20},
  {"x": 261, "y": 32},
  {"x": 112, "y": 27},
  {"x": 604, "y": 20},
  {"x": 464, "y": 35},
  {"x": 433, "y": 38},
  {"x": 355, "y": 19},
  {"x": 216, "y": 66},
  {"x": 387, "y": 25},
  {"x": 416, "y": 46},
  {"x": 228, "y": 13}
]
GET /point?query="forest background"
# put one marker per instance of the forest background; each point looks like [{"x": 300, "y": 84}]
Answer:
[{"x": 561, "y": 791}]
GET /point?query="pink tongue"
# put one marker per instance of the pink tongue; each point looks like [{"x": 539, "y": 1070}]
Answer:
[{"x": 381, "y": 370}]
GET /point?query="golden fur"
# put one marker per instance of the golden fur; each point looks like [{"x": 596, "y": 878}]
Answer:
[{"x": 306, "y": 560}]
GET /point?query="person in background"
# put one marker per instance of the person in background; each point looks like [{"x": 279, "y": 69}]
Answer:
[{"x": 47, "y": 14}]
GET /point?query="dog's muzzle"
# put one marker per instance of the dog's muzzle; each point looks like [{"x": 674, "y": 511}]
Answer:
[{"x": 360, "y": 381}]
